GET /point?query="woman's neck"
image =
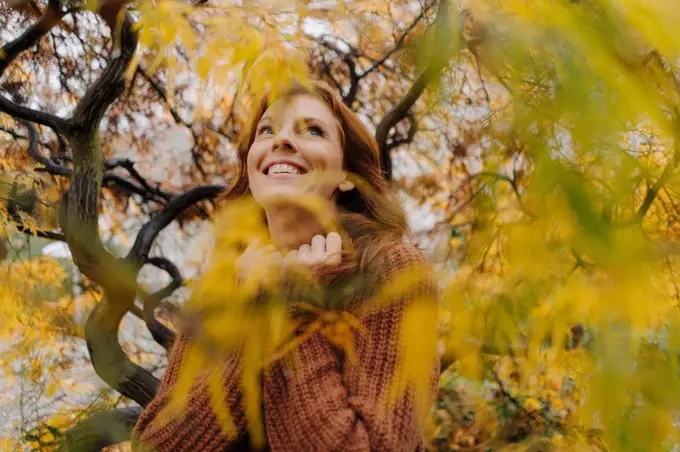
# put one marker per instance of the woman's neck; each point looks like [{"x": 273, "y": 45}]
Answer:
[{"x": 291, "y": 227}]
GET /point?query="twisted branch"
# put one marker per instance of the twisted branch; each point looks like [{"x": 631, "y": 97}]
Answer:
[
  {"x": 140, "y": 249},
  {"x": 161, "y": 334}
]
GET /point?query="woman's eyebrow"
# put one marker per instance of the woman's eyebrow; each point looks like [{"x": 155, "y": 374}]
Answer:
[{"x": 309, "y": 119}]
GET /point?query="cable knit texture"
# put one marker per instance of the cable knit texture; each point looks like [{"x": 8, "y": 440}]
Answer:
[{"x": 314, "y": 399}]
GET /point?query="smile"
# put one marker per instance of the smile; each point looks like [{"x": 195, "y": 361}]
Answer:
[{"x": 283, "y": 170}]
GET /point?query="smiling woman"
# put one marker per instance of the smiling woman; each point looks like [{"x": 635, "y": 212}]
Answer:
[
  {"x": 308, "y": 143},
  {"x": 290, "y": 147}
]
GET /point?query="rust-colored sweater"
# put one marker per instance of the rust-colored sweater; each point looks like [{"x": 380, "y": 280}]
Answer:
[{"x": 326, "y": 404}]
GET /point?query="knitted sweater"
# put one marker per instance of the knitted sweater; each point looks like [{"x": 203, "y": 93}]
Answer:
[{"x": 326, "y": 404}]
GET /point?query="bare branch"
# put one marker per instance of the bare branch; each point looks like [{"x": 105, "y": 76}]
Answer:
[
  {"x": 666, "y": 174},
  {"x": 111, "y": 82},
  {"x": 162, "y": 94},
  {"x": 129, "y": 166},
  {"x": 654, "y": 190},
  {"x": 398, "y": 45},
  {"x": 412, "y": 130},
  {"x": 111, "y": 180},
  {"x": 161, "y": 334},
  {"x": 108, "y": 357},
  {"x": 102, "y": 430},
  {"x": 32, "y": 35},
  {"x": 437, "y": 62},
  {"x": 34, "y": 152},
  {"x": 349, "y": 59},
  {"x": 81, "y": 207},
  {"x": 42, "y": 234},
  {"x": 56, "y": 123},
  {"x": 140, "y": 250},
  {"x": 51, "y": 166}
]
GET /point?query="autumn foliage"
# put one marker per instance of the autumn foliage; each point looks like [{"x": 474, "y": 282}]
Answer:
[{"x": 532, "y": 142}]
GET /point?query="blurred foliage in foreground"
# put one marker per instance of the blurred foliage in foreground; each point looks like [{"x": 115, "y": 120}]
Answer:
[
  {"x": 548, "y": 153},
  {"x": 569, "y": 271}
]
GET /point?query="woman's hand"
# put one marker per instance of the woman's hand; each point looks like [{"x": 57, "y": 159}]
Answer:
[
  {"x": 265, "y": 262},
  {"x": 258, "y": 261},
  {"x": 323, "y": 251},
  {"x": 314, "y": 260}
]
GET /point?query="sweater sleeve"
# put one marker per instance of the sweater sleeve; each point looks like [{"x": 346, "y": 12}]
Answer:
[
  {"x": 199, "y": 428},
  {"x": 328, "y": 404}
]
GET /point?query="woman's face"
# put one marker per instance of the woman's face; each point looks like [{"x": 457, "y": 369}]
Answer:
[{"x": 297, "y": 150}]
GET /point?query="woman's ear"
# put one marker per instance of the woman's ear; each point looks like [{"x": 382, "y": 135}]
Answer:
[{"x": 346, "y": 186}]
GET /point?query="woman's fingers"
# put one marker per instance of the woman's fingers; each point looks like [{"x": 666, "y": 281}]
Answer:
[
  {"x": 323, "y": 250},
  {"x": 254, "y": 244},
  {"x": 333, "y": 242},
  {"x": 333, "y": 249},
  {"x": 305, "y": 254},
  {"x": 318, "y": 245},
  {"x": 275, "y": 259},
  {"x": 258, "y": 260},
  {"x": 291, "y": 257},
  {"x": 268, "y": 249}
]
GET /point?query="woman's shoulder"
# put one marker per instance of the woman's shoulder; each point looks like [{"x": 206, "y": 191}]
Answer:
[
  {"x": 399, "y": 259},
  {"x": 397, "y": 274}
]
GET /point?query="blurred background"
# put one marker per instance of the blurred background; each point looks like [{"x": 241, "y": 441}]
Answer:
[{"x": 532, "y": 143}]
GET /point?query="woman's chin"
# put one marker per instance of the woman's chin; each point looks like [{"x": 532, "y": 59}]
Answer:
[{"x": 279, "y": 192}]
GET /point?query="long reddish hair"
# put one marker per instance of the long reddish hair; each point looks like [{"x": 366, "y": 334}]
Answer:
[{"x": 369, "y": 214}]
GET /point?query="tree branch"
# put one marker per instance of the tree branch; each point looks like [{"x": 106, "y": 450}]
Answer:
[
  {"x": 437, "y": 62},
  {"x": 161, "y": 334},
  {"x": 654, "y": 190},
  {"x": 111, "y": 82},
  {"x": 108, "y": 357},
  {"x": 162, "y": 94},
  {"x": 32, "y": 35},
  {"x": 140, "y": 249},
  {"x": 56, "y": 123},
  {"x": 34, "y": 151},
  {"x": 79, "y": 220},
  {"x": 412, "y": 130},
  {"x": 348, "y": 58},
  {"x": 129, "y": 166},
  {"x": 81, "y": 207},
  {"x": 42, "y": 234},
  {"x": 666, "y": 174},
  {"x": 102, "y": 430},
  {"x": 398, "y": 45},
  {"x": 110, "y": 180},
  {"x": 52, "y": 167}
]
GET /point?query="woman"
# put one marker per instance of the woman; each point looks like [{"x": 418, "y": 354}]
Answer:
[{"x": 328, "y": 403}]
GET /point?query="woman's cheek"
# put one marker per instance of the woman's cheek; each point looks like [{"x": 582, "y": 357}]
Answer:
[{"x": 251, "y": 158}]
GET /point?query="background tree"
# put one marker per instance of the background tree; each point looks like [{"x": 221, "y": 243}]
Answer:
[
  {"x": 544, "y": 153},
  {"x": 89, "y": 54}
]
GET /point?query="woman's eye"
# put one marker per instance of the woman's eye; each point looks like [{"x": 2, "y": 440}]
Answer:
[
  {"x": 315, "y": 130},
  {"x": 264, "y": 130}
]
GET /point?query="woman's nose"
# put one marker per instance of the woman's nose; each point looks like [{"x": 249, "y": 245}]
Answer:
[{"x": 285, "y": 140}]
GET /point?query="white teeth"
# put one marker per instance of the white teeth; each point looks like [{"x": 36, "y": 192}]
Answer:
[{"x": 283, "y": 168}]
